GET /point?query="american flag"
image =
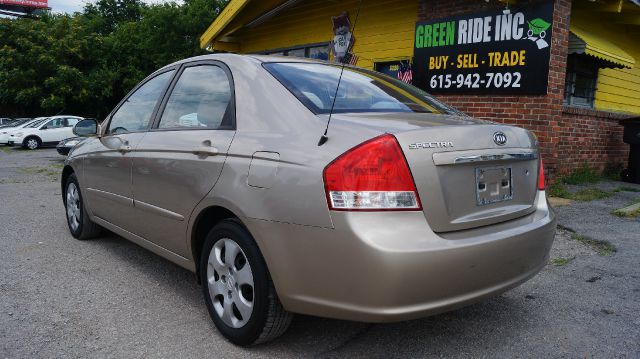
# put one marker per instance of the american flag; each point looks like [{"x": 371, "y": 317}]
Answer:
[
  {"x": 405, "y": 74},
  {"x": 350, "y": 58}
]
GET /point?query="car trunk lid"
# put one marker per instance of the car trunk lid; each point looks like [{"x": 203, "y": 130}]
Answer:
[{"x": 465, "y": 175}]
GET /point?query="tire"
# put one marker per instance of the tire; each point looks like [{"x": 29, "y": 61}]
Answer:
[
  {"x": 31, "y": 143},
  {"x": 244, "y": 287},
  {"x": 80, "y": 226}
]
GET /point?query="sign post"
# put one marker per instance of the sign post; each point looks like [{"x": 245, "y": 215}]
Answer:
[{"x": 494, "y": 52}]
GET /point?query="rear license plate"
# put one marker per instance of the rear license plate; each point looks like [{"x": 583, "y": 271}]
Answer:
[{"x": 493, "y": 184}]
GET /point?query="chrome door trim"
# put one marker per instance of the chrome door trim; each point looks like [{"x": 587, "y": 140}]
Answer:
[
  {"x": 157, "y": 210},
  {"x": 126, "y": 201}
]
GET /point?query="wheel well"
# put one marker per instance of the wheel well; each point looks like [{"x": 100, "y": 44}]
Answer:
[
  {"x": 66, "y": 172},
  {"x": 206, "y": 220}
]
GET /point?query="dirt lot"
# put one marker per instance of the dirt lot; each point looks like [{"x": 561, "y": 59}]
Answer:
[{"x": 110, "y": 298}]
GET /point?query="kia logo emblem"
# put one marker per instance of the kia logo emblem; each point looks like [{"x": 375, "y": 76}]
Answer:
[{"x": 500, "y": 138}]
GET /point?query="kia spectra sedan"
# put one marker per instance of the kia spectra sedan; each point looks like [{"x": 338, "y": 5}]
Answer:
[{"x": 405, "y": 208}]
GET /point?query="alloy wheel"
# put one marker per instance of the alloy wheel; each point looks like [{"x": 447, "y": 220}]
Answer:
[
  {"x": 73, "y": 206},
  {"x": 230, "y": 282},
  {"x": 32, "y": 144}
]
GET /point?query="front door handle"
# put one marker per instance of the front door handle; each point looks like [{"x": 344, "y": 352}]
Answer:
[
  {"x": 124, "y": 148},
  {"x": 206, "y": 149}
]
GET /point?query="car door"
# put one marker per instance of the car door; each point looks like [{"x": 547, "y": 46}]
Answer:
[
  {"x": 178, "y": 162},
  {"x": 107, "y": 165},
  {"x": 51, "y": 131}
]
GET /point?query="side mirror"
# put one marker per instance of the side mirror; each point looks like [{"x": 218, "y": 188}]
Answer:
[{"x": 86, "y": 128}]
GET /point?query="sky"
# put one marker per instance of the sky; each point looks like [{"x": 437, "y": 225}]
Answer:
[
  {"x": 71, "y": 6},
  {"x": 68, "y": 6}
]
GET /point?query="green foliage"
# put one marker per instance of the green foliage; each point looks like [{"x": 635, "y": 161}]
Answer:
[{"x": 84, "y": 63}]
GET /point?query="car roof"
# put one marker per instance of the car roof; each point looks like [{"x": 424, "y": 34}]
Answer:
[
  {"x": 63, "y": 116},
  {"x": 256, "y": 58}
]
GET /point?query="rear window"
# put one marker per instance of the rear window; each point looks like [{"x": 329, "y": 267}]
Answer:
[{"x": 314, "y": 84}]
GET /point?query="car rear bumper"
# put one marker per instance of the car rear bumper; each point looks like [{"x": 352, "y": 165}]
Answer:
[{"x": 381, "y": 267}]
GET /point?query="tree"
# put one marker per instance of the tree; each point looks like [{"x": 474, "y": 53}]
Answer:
[{"x": 85, "y": 63}]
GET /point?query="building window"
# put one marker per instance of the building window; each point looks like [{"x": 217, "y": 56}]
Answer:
[
  {"x": 580, "y": 84},
  {"x": 314, "y": 51}
]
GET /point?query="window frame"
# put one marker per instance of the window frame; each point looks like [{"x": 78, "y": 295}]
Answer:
[
  {"x": 165, "y": 99},
  {"x": 107, "y": 121},
  {"x": 570, "y": 81},
  {"x": 284, "y": 51},
  {"x": 45, "y": 123}
]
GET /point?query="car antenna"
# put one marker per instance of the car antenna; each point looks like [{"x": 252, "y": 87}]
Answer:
[{"x": 324, "y": 137}]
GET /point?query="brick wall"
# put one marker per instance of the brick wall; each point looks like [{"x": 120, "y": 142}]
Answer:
[
  {"x": 592, "y": 137},
  {"x": 568, "y": 138}
]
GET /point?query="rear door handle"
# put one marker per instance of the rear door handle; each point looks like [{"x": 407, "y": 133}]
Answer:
[{"x": 206, "y": 149}]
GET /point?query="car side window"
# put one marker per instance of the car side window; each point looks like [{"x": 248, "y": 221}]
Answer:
[
  {"x": 71, "y": 122},
  {"x": 135, "y": 113},
  {"x": 200, "y": 99},
  {"x": 55, "y": 123}
]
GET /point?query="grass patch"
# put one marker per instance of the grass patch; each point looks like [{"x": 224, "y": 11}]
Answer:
[
  {"x": 558, "y": 190},
  {"x": 603, "y": 248},
  {"x": 583, "y": 175},
  {"x": 612, "y": 171},
  {"x": 560, "y": 261},
  {"x": 585, "y": 195},
  {"x": 626, "y": 189},
  {"x": 6, "y": 149},
  {"x": 52, "y": 173},
  {"x": 590, "y": 194},
  {"x": 625, "y": 214}
]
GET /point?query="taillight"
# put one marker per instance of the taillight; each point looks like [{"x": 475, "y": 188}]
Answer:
[
  {"x": 541, "y": 185},
  {"x": 372, "y": 176}
]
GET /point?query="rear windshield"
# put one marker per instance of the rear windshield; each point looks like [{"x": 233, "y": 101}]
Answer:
[{"x": 361, "y": 90}]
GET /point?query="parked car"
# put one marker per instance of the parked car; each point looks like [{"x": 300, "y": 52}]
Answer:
[
  {"x": 66, "y": 145},
  {"x": 5, "y": 120},
  {"x": 6, "y": 131},
  {"x": 402, "y": 209},
  {"x": 14, "y": 123},
  {"x": 47, "y": 133}
]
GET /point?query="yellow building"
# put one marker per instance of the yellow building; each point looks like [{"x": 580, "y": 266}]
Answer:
[{"x": 593, "y": 77}]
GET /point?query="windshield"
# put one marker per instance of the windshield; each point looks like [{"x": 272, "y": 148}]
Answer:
[
  {"x": 314, "y": 84},
  {"x": 16, "y": 123},
  {"x": 35, "y": 123}
]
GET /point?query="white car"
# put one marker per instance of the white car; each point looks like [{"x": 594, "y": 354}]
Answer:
[
  {"x": 5, "y": 132},
  {"x": 46, "y": 133}
]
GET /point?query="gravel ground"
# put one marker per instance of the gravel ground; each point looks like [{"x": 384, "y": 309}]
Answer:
[{"x": 110, "y": 298}]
